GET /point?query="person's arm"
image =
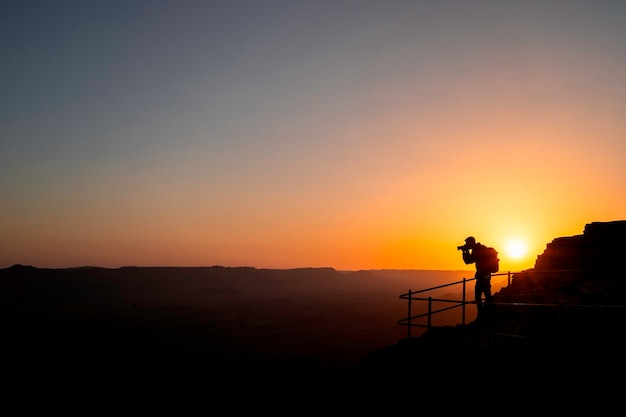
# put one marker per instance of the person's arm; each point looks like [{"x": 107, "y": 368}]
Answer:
[{"x": 468, "y": 257}]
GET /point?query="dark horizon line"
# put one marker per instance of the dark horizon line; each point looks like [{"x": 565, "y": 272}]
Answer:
[{"x": 18, "y": 265}]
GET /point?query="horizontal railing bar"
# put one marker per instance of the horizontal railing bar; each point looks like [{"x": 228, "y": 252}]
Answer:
[
  {"x": 442, "y": 300},
  {"x": 413, "y": 317},
  {"x": 413, "y": 325},
  {"x": 518, "y": 304},
  {"x": 436, "y": 288},
  {"x": 495, "y": 275},
  {"x": 599, "y": 306},
  {"x": 432, "y": 312},
  {"x": 559, "y": 305}
]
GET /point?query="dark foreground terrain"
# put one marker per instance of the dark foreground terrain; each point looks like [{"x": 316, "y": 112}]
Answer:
[
  {"x": 143, "y": 330},
  {"x": 262, "y": 339}
]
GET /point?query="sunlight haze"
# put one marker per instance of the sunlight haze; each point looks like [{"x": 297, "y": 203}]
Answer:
[{"x": 277, "y": 134}]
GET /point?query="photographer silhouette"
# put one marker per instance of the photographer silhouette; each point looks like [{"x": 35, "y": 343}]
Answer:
[{"x": 476, "y": 252}]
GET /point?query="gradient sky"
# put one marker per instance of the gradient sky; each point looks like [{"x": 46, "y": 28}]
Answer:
[{"x": 283, "y": 134}]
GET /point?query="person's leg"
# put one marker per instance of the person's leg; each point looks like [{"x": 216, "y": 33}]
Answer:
[
  {"x": 477, "y": 296},
  {"x": 487, "y": 291},
  {"x": 488, "y": 297},
  {"x": 477, "y": 293}
]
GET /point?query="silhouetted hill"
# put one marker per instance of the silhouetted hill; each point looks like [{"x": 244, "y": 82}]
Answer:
[
  {"x": 559, "y": 323},
  {"x": 241, "y": 326}
]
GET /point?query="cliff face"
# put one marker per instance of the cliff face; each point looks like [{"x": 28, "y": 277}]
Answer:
[
  {"x": 581, "y": 269},
  {"x": 597, "y": 250}
]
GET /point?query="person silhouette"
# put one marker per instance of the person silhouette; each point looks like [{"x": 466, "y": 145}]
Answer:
[{"x": 474, "y": 252}]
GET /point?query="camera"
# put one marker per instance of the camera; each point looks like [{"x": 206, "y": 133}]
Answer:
[{"x": 463, "y": 247}]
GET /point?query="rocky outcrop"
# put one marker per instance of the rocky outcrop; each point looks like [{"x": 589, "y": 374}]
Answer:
[
  {"x": 581, "y": 269},
  {"x": 597, "y": 250}
]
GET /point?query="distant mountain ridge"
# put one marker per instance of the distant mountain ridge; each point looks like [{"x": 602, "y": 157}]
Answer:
[
  {"x": 319, "y": 279},
  {"x": 227, "y": 321}
]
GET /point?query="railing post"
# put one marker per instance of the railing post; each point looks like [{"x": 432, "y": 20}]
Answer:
[
  {"x": 408, "y": 323},
  {"x": 430, "y": 309},
  {"x": 463, "y": 310},
  {"x": 509, "y": 278}
]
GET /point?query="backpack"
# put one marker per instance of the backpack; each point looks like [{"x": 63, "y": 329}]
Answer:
[
  {"x": 492, "y": 261},
  {"x": 489, "y": 261}
]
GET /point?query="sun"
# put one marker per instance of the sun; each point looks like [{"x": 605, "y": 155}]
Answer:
[{"x": 516, "y": 248}]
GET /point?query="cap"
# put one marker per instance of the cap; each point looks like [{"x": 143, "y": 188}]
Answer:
[{"x": 470, "y": 240}]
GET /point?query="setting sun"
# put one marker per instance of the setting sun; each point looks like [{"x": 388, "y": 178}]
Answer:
[{"x": 516, "y": 248}]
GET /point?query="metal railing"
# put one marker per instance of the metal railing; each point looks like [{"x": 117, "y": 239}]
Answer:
[
  {"x": 558, "y": 308},
  {"x": 409, "y": 321}
]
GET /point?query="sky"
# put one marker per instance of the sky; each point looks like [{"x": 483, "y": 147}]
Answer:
[{"x": 287, "y": 134}]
